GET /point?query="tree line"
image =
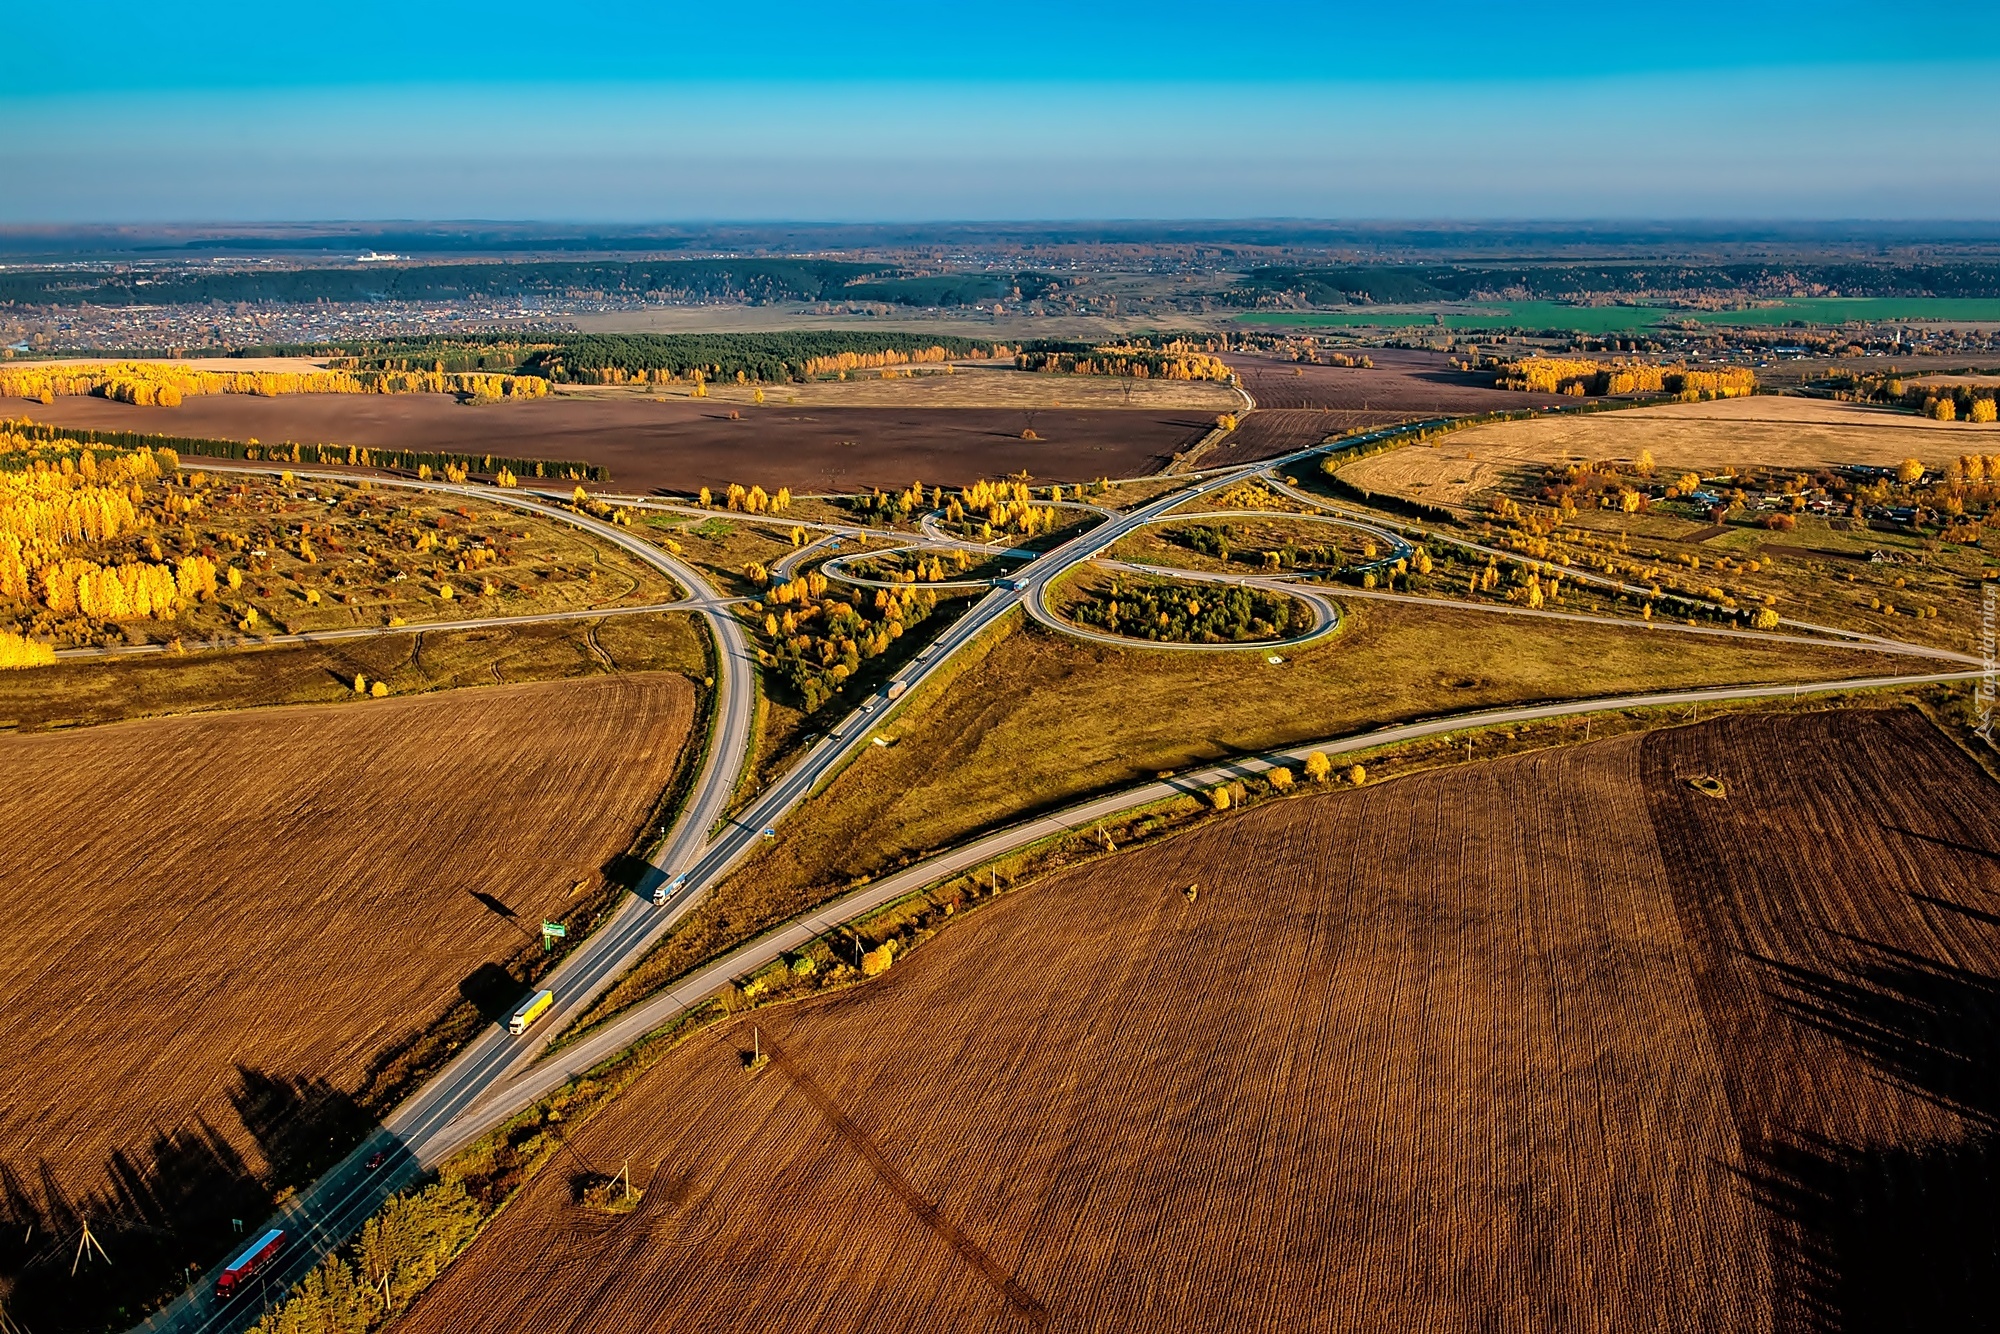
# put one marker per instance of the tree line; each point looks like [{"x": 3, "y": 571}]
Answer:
[
  {"x": 1940, "y": 402},
  {"x": 423, "y": 462},
  {"x": 1582, "y": 377},
  {"x": 162, "y": 384}
]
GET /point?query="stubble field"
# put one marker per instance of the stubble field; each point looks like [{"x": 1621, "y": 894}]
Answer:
[
  {"x": 1546, "y": 1043},
  {"x": 1738, "y": 432},
  {"x": 228, "y": 925}
]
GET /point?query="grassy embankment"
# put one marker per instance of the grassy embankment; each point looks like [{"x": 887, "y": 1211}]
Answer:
[{"x": 1028, "y": 721}]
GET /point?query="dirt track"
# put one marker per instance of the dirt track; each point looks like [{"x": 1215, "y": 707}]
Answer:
[
  {"x": 220, "y": 922},
  {"x": 684, "y": 444},
  {"x": 1456, "y": 1052}
]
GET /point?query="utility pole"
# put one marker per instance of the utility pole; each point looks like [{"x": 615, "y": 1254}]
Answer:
[{"x": 85, "y": 1244}]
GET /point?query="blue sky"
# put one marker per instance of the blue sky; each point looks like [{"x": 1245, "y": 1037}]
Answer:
[{"x": 777, "y": 111}]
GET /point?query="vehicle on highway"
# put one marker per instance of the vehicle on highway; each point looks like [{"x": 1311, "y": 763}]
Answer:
[
  {"x": 376, "y": 1159},
  {"x": 530, "y": 1010},
  {"x": 661, "y": 893},
  {"x": 248, "y": 1261}
]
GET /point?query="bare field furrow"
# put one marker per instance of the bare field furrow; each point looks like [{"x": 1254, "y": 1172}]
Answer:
[
  {"x": 230, "y": 921},
  {"x": 1505, "y": 1046}
]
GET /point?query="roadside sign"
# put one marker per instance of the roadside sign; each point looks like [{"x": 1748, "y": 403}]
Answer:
[{"x": 552, "y": 932}]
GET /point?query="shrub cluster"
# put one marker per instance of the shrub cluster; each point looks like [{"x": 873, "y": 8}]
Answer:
[{"x": 1166, "y": 612}]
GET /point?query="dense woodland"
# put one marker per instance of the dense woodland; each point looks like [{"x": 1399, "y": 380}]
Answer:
[
  {"x": 1401, "y": 283},
  {"x": 736, "y": 280},
  {"x": 679, "y": 280}
]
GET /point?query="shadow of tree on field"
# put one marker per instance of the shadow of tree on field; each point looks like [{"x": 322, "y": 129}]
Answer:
[
  {"x": 493, "y": 991},
  {"x": 163, "y": 1213},
  {"x": 1890, "y": 1236}
]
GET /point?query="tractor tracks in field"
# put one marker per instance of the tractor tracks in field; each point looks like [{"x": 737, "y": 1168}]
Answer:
[{"x": 921, "y": 1207}]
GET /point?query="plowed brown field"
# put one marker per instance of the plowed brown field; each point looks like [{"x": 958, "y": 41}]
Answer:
[
  {"x": 1458, "y": 1052},
  {"x": 218, "y": 923},
  {"x": 684, "y": 444},
  {"x": 1402, "y": 383}
]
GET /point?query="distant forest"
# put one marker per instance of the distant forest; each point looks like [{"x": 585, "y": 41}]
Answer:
[
  {"x": 749, "y": 280},
  {"x": 752, "y": 281},
  {"x": 1409, "y": 283},
  {"x": 768, "y": 358}
]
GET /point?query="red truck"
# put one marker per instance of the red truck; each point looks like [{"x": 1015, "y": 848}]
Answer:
[{"x": 253, "y": 1258}]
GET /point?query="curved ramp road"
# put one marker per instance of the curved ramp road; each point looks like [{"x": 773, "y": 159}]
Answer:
[
  {"x": 1326, "y": 616},
  {"x": 1580, "y": 576},
  {"x": 492, "y": 1077},
  {"x": 601, "y": 1044}
]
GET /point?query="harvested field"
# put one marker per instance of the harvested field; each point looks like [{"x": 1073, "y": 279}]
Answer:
[
  {"x": 1738, "y": 432},
  {"x": 982, "y": 747},
  {"x": 684, "y": 444},
  {"x": 1403, "y": 383},
  {"x": 1423, "y": 1056},
  {"x": 1269, "y": 432},
  {"x": 982, "y": 385},
  {"x": 229, "y": 926}
]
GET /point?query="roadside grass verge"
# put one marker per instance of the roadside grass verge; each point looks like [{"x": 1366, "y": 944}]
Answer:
[
  {"x": 419, "y": 1232},
  {"x": 1030, "y": 721}
]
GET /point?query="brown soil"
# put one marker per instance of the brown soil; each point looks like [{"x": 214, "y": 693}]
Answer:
[
  {"x": 1300, "y": 405},
  {"x": 680, "y": 445},
  {"x": 1403, "y": 383},
  {"x": 1547, "y": 1043},
  {"x": 220, "y": 924}
]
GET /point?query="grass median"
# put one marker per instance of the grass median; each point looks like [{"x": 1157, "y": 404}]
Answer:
[{"x": 1027, "y": 721}]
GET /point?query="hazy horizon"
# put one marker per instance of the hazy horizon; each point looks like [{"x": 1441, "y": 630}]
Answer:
[{"x": 1306, "y": 111}]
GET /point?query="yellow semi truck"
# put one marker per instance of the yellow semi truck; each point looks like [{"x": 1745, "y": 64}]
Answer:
[{"x": 530, "y": 1010}]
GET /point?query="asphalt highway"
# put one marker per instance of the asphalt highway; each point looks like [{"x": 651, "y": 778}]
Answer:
[
  {"x": 496, "y": 1075},
  {"x": 538, "y": 1081}
]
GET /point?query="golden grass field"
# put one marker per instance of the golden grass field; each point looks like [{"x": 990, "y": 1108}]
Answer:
[
  {"x": 1770, "y": 430},
  {"x": 418, "y": 661},
  {"x": 1037, "y": 720}
]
